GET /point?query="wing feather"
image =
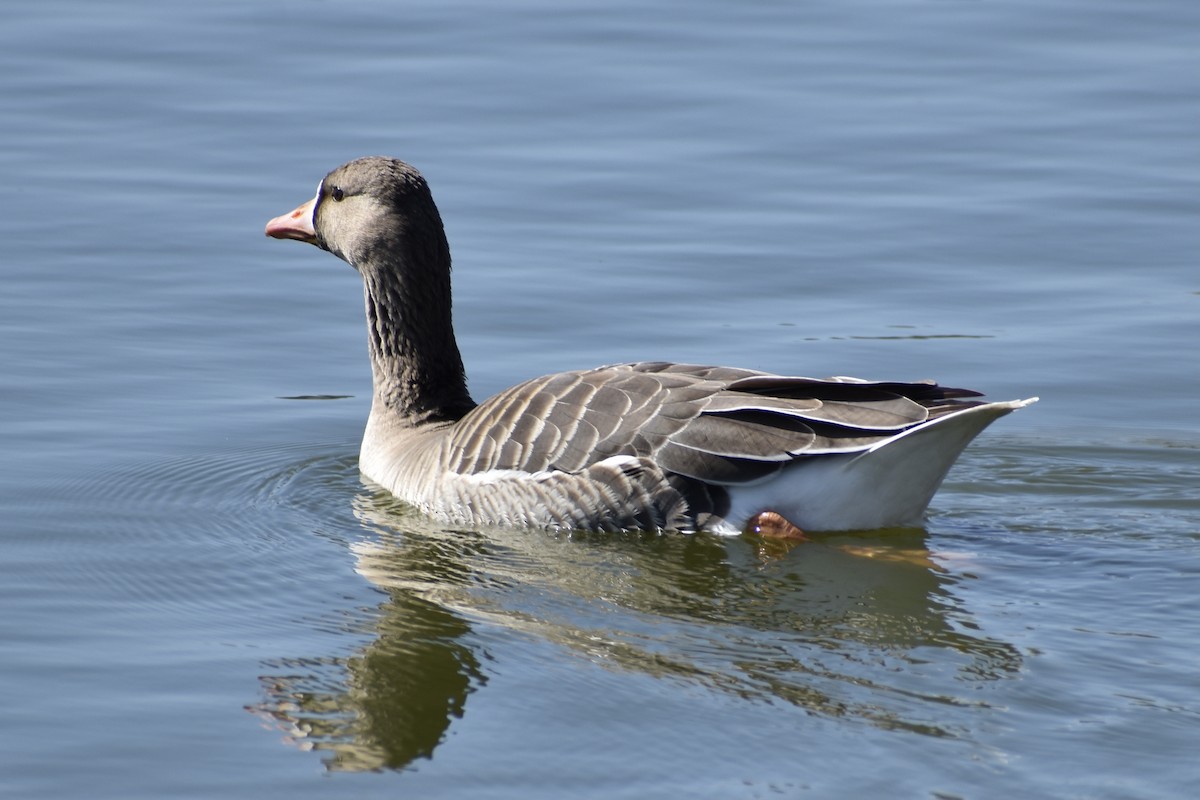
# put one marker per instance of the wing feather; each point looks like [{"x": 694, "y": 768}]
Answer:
[{"x": 715, "y": 424}]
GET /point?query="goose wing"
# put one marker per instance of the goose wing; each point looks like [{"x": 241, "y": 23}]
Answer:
[{"x": 715, "y": 424}]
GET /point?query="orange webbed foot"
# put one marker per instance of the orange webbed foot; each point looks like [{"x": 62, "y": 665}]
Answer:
[{"x": 772, "y": 524}]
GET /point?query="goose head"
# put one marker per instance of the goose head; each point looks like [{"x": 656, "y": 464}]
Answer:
[
  {"x": 377, "y": 214},
  {"x": 373, "y": 213}
]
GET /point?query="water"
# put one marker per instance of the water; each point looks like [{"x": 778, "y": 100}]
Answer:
[{"x": 201, "y": 598}]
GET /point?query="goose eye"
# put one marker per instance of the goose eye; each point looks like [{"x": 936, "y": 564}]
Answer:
[{"x": 336, "y": 193}]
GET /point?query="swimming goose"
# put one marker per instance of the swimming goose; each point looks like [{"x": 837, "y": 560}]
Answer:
[{"x": 649, "y": 445}]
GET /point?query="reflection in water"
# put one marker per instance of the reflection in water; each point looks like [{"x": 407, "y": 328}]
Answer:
[
  {"x": 844, "y": 627},
  {"x": 386, "y": 706}
]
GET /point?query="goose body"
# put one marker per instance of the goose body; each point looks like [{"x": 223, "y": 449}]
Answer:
[{"x": 649, "y": 445}]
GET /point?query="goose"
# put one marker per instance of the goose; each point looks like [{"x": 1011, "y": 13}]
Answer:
[{"x": 637, "y": 446}]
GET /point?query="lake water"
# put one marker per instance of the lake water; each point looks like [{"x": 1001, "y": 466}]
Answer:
[{"x": 200, "y": 596}]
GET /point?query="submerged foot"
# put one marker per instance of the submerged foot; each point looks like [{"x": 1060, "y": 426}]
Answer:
[{"x": 773, "y": 524}]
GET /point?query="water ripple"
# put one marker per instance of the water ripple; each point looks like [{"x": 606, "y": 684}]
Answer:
[{"x": 210, "y": 536}]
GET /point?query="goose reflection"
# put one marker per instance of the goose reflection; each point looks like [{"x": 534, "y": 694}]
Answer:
[
  {"x": 386, "y": 706},
  {"x": 840, "y": 627}
]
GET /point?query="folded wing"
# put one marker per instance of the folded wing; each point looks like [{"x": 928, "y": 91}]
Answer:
[{"x": 713, "y": 424}]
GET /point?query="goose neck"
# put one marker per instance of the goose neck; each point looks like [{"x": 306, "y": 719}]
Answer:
[{"x": 416, "y": 366}]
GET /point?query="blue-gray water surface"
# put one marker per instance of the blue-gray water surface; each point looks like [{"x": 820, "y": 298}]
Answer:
[{"x": 201, "y": 597}]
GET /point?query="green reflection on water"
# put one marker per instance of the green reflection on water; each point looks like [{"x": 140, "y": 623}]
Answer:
[{"x": 809, "y": 625}]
